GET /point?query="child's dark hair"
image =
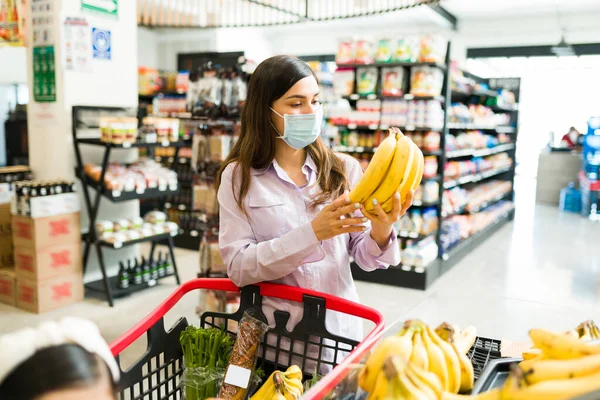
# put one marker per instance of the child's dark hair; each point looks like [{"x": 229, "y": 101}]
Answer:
[{"x": 54, "y": 368}]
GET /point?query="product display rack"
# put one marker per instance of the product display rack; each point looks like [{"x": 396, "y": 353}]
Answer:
[
  {"x": 423, "y": 277},
  {"x": 91, "y": 238}
]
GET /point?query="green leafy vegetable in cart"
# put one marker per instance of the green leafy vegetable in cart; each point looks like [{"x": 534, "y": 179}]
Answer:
[{"x": 206, "y": 353}]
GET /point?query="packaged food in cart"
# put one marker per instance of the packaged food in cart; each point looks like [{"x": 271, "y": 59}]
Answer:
[{"x": 244, "y": 355}]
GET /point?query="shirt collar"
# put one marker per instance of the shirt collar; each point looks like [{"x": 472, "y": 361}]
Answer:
[{"x": 308, "y": 163}]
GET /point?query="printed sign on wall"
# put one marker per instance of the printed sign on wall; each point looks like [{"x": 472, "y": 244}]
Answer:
[
  {"x": 106, "y": 7},
  {"x": 44, "y": 75},
  {"x": 101, "y": 43},
  {"x": 77, "y": 44}
]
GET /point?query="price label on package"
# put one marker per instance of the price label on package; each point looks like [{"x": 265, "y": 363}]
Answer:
[{"x": 238, "y": 376}]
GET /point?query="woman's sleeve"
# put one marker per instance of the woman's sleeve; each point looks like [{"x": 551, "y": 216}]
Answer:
[
  {"x": 363, "y": 248},
  {"x": 249, "y": 262}
]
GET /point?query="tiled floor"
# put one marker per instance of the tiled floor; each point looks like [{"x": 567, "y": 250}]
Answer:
[{"x": 541, "y": 270}]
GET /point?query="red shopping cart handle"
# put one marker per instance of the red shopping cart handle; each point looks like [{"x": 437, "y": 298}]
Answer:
[{"x": 283, "y": 292}]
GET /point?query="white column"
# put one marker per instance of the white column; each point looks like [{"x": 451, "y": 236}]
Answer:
[{"x": 111, "y": 82}]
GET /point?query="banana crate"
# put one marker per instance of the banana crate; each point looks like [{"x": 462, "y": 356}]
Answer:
[
  {"x": 157, "y": 374},
  {"x": 477, "y": 353}
]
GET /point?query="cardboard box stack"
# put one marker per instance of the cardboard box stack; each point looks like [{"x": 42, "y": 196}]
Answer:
[{"x": 48, "y": 258}]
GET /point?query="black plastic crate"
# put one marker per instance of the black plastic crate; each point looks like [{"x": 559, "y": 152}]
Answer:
[{"x": 482, "y": 352}]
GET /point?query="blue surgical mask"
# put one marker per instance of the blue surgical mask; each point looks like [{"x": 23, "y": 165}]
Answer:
[{"x": 300, "y": 130}]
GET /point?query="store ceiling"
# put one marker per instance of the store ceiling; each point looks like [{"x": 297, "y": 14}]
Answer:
[
  {"x": 470, "y": 9},
  {"x": 238, "y": 13}
]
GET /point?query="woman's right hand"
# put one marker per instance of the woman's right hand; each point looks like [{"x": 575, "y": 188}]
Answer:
[{"x": 331, "y": 220}]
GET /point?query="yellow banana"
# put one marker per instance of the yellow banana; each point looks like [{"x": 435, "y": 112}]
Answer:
[
  {"x": 293, "y": 388},
  {"x": 572, "y": 334},
  {"x": 410, "y": 390},
  {"x": 561, "y": 347},
  {"x": 294, "y": 372},
  {"x": 391, "y": 345},
  {"x": 467, "y": 376},
  {"x": 382, "y": 389},
  {"x": 543, "y": 370},
  {"x": 418, "y": 167},
  {"x": 376, "y": 170},
  {"x": 429, "y": 378},
  {"x": 398, "y": 172},
  {"x": 465, "y": 339},
  {"x": 412, "y": 180},
  {"x": 452, "y": 361},
  {"x": 419, "y": 355},
  {"x": 532, "y": 354},
  {"x": 437, "y": 361},
  {"x": 422, "y": 385},
  {"x": 551, "y": 390},
  {"x": 493, "y": 394},
  {"x": 267, "y": 390}
]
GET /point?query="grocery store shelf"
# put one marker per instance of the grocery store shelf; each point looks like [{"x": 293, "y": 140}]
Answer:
[
  {"x": 368, "y": 150},
  {"x": 413, "y": 278},
  {"x": 479, "y": 93},
  {"x": 414, "y": 235},
  {"x": 117, "y": 196},
  {"x": 457, "y": 252},
  {"x": 390, "y": 97},
  {"x": 505, "y": 129},
  {"x": 188, "y": 240},
  {"x": 479, "y": 152},
  {"x": 474, "y": 178},
  {"x": 154, "y": 238},
  {"x": 497, "y": 108},
  {"x": 419, "y": 203},
  {"x": 395, "y": 64},
  {"x": 482, "y": 206},
  {"x": 128, "y": 145},
  {"x": 96, "y": 288},
  {"x": 372, "y": 127},
  {"x": 475, "y": 127},
  {"x": 375, "y": 127}
]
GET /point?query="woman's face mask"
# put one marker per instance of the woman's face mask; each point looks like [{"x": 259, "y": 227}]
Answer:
[{"x": 300, "y": 130}]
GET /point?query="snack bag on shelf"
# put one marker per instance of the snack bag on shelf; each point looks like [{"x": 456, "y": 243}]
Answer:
[
  {"x": 433, "y": 48},
  {"x": 384, "y": 51},
  {"x": 426, "y": 81},
  {"x": 364, "y": 52},
  {"x": 345, "y": 52},
  {"x": 392, "y": 81},
  {"x": 366, "y": 80},
  {"x": 343, "y": 82},
  {"x": 407, "y": 49}
]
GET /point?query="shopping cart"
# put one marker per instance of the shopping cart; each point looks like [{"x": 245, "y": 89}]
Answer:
[{"x": 157, "y": 373}]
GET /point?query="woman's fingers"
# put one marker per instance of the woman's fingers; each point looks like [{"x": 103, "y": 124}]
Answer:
[
  {"x": 346, "y": 209},
  {"x": 353, "y": 228},
  {"x": 407, "y": 202},
  {"x": 351, "y": 221},
  {"x": 396, "y": 207},
  {"x": 368, "y": 215},
  {"x": 341, "y": 201},
  {"x": 378, "y": 211}
]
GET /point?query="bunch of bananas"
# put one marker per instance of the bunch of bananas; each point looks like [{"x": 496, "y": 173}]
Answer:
[
  {"x": 396, "y": 167},
  {"x": 282, "y": 386},
  {"x": 587, "y": 330},
  {"x": 566, "y": 367},
  {"x": 420, "y": 361}
]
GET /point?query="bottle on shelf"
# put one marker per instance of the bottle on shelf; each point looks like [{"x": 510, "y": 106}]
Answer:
[
  {"x": 137, "y": 277},
  {"x": 168, "y": 266},
  {"x": 160, "y": 266},
  {"x": 123, "y": 276},
  {"x": 154, "y": 269},
  {"x": 130, "y": 272},
  {"x": 146, "y": 271}
]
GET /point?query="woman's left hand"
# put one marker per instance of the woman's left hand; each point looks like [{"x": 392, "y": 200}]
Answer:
[{"x": 382, "y": 222}]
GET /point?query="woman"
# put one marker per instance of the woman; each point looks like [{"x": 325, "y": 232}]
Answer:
[
  {"x": 284, "y": 212},
  {"x": 68, "y": 360}
]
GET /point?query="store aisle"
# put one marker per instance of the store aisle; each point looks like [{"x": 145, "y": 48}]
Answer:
[{"x": 541, "y": 270}]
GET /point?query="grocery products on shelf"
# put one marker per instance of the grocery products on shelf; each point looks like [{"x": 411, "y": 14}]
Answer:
[
  {"x": 366, "y": 80},
  {"x": 479, "y": 115},
  {"x": 144, "y": 271},
  {"x": 427, "y": 193},
  {"x": 157, "y": 130},
  {"x": 152, "y": 81},
  {"x": 418, "y": 253},
  {"x": 426, "y": 81},
  {"x": 343, "y": 81},
  {"x": 124, "y": 230},
  {"x": 118, "y": 130},
  {"x": 417, "y": 223},
  {"x": 396, "y": 167},
  {"x": 139, "y": 176},
  {"x": 425, "y": 48},
  {"x": 457, "y": 169},
  {"x": 26, "y": 193},
  {"x": 474, "y": 140},
  {"x": 459, "y": 200},
  {"x": 459, "y": 227},
  {"x": 392, "y": 81},
  {"x": 419, "y": 113}
]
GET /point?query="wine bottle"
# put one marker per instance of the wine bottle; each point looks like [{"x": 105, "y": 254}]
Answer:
[
  {"x": 146, "y": 272},
  {"x": 123, "y": 276}
]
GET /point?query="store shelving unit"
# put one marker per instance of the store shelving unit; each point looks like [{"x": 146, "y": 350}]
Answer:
[
  {"x": 91, "y": 238},
  {"x": 421, "y": 278}
]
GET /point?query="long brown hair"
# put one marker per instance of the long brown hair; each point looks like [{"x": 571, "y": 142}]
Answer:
[{"x": 256, "y": 145}]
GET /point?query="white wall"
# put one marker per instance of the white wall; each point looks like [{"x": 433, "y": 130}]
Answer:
[
  {"x": 147, "y": 50},
  {"x": 14, "y": 65}
]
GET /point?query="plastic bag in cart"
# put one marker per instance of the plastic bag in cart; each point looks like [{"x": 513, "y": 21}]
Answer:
[{"x": 195, "y": 381}]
